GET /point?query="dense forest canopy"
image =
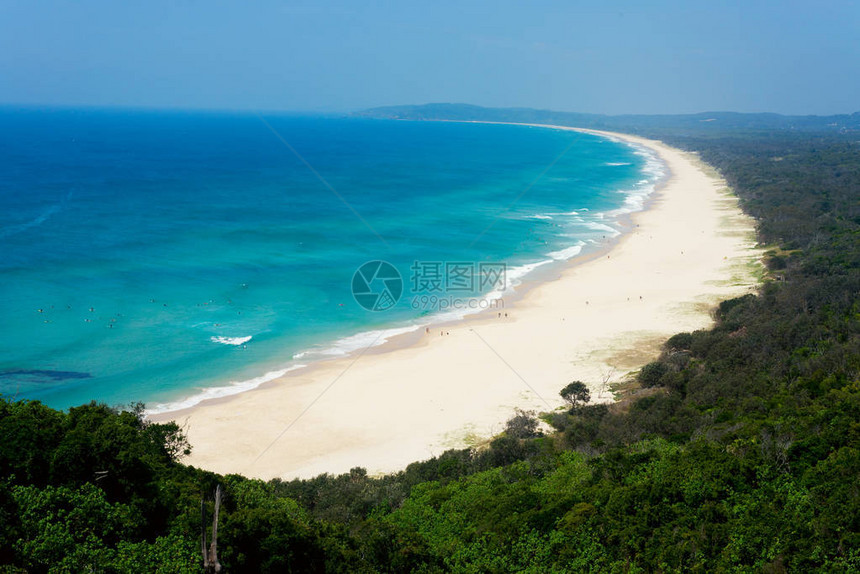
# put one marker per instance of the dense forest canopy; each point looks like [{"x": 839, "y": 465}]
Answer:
[{"x": 740, "y": 451}]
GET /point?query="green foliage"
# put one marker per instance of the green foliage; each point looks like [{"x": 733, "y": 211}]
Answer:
[
  {"x": 575, "y": 393},
  {"x": 172, "y": 554},
  {"x": 523, "y": 424},
  {"x": 90, "y": 489},
  {"x": 679, "y": 342},
  {"x": 652, "y": 374},
  {"x": 78, "y": 530}
]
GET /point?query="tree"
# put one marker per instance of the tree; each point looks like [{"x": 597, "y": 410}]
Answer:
[
  {"x": 652, "y": 374},
  {"x": 522, "y": 425},
  {"x": 575, "y": 393}
]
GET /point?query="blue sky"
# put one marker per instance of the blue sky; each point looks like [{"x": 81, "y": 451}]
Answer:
[{"x": 602, "y": 57}]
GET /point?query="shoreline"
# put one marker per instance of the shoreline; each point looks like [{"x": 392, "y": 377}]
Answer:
[
  {"x": 398, "y": 335},
  {"x": 417, "y": 395}
]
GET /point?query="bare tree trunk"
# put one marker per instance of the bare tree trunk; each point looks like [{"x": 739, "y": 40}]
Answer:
[
  {"x": 210, "y": 557},
  {"x": 606, "y": 378},
  {"x": 203, "y": 532}
]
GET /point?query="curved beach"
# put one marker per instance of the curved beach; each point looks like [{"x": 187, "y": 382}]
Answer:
[{"x": 604, "y": 315}]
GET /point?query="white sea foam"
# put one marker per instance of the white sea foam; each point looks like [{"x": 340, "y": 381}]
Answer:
[
  {"x": 575, "y": 211},
  {"x": 539, "y": 216},
  {"x": 653, "y": 167},
  {"x": 634, "y": 200},
  {"x": 654, "y": 170},
  {"x": 513, "y": 278},
  {"x": 236, "y": 341},
  {"x": 341, "y": 347},
  {"x": 565, "y": 254},
  {"x": 595, "y": 226},
  {"x": 616, "y": 163},
  {"x": 514, "y": 275},
  {"x": 363, "y": 340},
  {"x": 233, "y": 388}
]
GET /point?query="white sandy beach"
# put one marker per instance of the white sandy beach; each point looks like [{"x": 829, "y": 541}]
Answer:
[{"x": 602, "y": 317}]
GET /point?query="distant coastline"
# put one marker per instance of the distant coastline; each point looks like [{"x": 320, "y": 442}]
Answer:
[{"x": 629, "y": 123}]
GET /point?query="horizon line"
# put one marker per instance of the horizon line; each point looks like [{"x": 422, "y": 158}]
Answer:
[{"x": 350, "y": 111}]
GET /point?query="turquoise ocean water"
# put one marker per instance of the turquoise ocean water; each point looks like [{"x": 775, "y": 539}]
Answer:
[{"x": 167, "y": 257}]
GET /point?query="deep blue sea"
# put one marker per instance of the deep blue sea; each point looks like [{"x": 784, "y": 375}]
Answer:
[{"x": 166, "y": 257}]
